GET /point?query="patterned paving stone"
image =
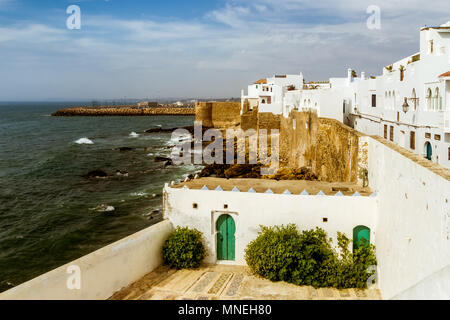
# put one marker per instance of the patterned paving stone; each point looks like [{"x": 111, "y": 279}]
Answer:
[
  {"x": 360, "y": 293},
  {"x": 227, "y": 282},
  {"x": 345, "y": 293},
  {"x": 326, "y": 292},
  {"x": 235, "y": 284},
  {"x": 220, "y": 283},
  {"x": 204, "y": 281}
]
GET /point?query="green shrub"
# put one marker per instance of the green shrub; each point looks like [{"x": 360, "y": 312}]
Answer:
[
  {"x": 308, "y": 258},
  {"x": 184, "y": 249}
]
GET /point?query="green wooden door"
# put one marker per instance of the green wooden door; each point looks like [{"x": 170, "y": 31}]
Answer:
[
  {"x": 429, "y": 151},
  {"x": 359, "y": 233},
  {"x": 225, "y": 237}
]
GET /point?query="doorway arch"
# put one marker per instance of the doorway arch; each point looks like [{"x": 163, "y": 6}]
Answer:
[
  {"x": 226, "y": 229},
  {"x": 360, "y": 233},
  {"x": 428, "y": 150}
]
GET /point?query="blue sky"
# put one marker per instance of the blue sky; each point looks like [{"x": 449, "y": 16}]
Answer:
[{"x": 202, "y": 48}]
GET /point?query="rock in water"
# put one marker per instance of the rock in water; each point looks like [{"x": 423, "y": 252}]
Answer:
[
  {"x": 125, "y": 149},
  {"x": 95, "y": 174}
]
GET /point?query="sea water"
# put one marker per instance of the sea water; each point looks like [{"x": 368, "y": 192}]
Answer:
[{"x": 49, "y": 213}]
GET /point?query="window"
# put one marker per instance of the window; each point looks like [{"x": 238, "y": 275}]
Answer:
[
  {"x": 437, "y": 137},
  {"x": 385, "y": 131},
  {"x": 325, "y": 219},
  {"x": 412, "y": 140},
  {"x": 398, "y": 116},
  {"x": 437, "y": 100},
  {"x": 393, "y": 100},
  {"x": 374, "y": 100},
  {"x": 194, "y": 205},
  {"x": 429, "y": 99},
  {"x": 448, "y": 153},
  {"x": 431, "y": 47},
  {"x": 225, "y": 206},
  {"x": 391, "y": 133}
]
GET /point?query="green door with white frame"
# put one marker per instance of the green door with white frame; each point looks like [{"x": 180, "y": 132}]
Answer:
[{"x": 225, "y": 237}]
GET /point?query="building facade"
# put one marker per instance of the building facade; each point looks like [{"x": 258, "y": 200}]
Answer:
[{"x": 408, "y": 104}]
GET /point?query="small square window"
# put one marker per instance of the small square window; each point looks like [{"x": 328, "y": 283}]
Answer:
[
  {"x": 225, "y": 206},
  {"x": 325, "y": 219},
  {"x": 194, "y": 205}
]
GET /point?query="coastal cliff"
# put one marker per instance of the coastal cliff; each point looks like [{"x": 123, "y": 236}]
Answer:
[{"x": 123, "y": 111}]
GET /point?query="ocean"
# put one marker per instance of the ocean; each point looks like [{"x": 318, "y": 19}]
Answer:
[{"x": 49, "y": 213}]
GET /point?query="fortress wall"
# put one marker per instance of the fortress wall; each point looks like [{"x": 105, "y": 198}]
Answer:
[
  {"x": 413, "y": 238},
  {"x": 218, "y": 114},
  {"x": 268, "y": 120},
  {"x": 203, "y": 113},
  {"x": 226, "y": 114},
  {"x": 328, "y": 147},
  {"x": 249, "y": 120},
  {"x": 102, "y": 272}
]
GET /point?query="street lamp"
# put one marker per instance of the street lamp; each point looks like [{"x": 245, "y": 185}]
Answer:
[{"x": 405, "y": 106}]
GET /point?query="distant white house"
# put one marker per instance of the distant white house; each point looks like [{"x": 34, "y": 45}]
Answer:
[
  {"x": 408, "y": 104},
  {"x": 268, "y": 93}
]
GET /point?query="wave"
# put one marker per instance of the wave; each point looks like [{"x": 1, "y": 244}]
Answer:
[
  {"x": 84, "y": 141},
  {"x": 103, "y": 208},
  {"x": 139, "y": 194},
  {"x": 134, "y": 135}
]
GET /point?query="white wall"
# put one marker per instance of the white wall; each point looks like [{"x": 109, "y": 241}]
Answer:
[
  {"x": 413, "y": 239},
  {"x": 250, "y": 210},
  {"x": 103, "y": 272},
  {"x": 434, "y": 287}
]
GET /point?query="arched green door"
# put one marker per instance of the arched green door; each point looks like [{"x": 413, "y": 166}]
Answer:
[
  {"x": 359, "y": 233},
  {"x": 429, "y": 151},
  {"x": 225, "y": 237}
]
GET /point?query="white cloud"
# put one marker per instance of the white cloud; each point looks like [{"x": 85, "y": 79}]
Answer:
[{"x": 213, "y": 55}]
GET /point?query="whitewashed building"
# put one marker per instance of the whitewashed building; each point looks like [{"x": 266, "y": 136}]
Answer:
[
  {"x": 408, "y": 104},
  {"x": 268, "y": 94}
]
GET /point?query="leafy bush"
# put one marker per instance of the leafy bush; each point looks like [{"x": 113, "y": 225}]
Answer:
[
  {"x": 308, "y": 258},
  {"x": 184, "y": 249}
]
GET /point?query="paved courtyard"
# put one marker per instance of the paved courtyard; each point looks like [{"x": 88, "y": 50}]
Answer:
[{"x": 224, "y": 282}]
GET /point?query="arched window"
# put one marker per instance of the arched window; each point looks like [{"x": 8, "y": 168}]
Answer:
[
  {"x": 414, "y": 98},
  {"x": 393, "y": 100},
  {"x": 263, "y": 101},
  {"x": 385, "y": 100},
  {"x": 429, "y": 99},
  {"x": 390, "y": 100},
  {"x": 437, "y": 99}
]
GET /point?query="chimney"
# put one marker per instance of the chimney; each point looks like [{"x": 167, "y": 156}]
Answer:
[{"x": 349, "y": 76}]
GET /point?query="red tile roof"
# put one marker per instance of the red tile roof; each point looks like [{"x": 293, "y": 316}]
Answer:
[
  {"x": 447, "y": 74},
  {"x": 260, "y": 81}
]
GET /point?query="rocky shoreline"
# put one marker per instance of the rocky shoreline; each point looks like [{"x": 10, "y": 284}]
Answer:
[{"x": 123, "y": 111}]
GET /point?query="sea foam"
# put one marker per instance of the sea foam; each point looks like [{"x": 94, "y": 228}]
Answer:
[
  {"x": 84, "y": 141},
  {"x": 134, "y": 135}
]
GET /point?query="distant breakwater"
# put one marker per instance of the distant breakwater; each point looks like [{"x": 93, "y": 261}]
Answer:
[{"x": 123, "y": 111}]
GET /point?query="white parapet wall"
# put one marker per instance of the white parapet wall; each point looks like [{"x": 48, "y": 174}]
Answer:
[
  {"x": 413, "y": 242},
  {"x": 102, "y": 272},
  {"x": 200, "y": 209}
]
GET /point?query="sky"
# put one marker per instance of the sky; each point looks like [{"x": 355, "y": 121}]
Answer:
[{"x": 196, "y": 49}]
